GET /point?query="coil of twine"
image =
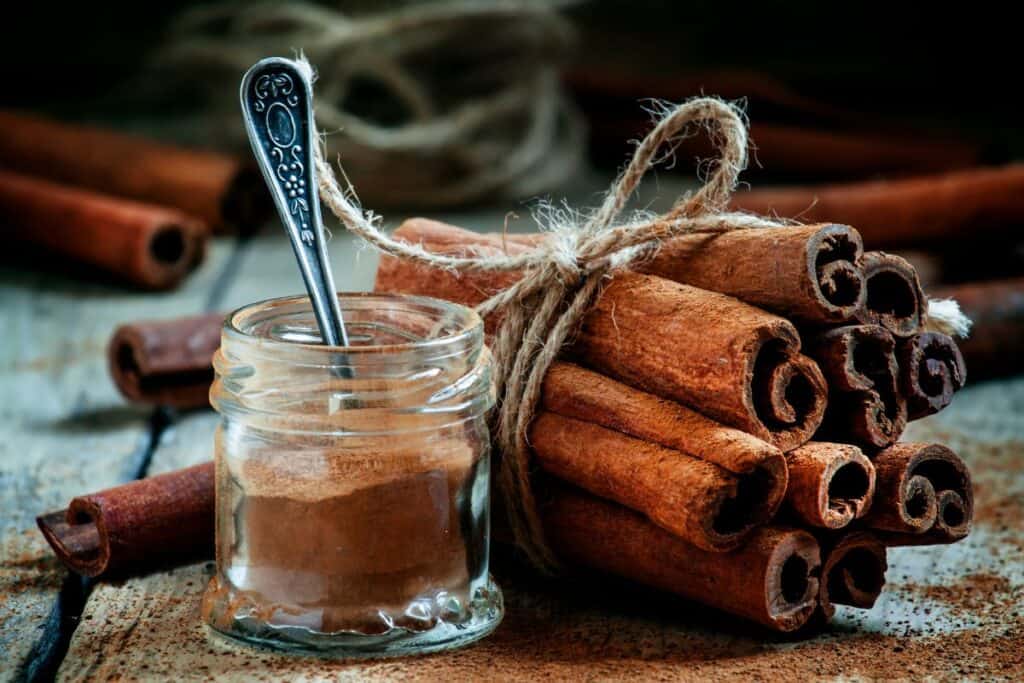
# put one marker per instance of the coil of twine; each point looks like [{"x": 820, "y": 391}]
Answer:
[
  {"x": 562, "y": 277},
  {"x": 423, "y": 111}
]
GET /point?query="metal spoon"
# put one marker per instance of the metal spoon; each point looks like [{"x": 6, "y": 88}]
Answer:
[{"x": 277, "y": 106}]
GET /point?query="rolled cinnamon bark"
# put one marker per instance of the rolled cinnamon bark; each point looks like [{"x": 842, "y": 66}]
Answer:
[
  {"x": 924, "y": 495},
  {"x": 693, "y": 499},
  {"x": 735, "y": 363},
  {"x": 166, "y": 519},
  {"x": 771, "y": 579},
  {"x": 931, "y": 371},
  {"x": 852, "y": 571},
  {"x": 865, "y": 404},
  {"x": 996, "y": 309},
  {"x": 919, "y": 211},
  {"x": 808, "y": 273},
  {"x": 219, "y": 189},
  {"x": 830, "y": 484},
  {"x": 146, "y": 245},
  {"x": 894, "y": 296},
  {"x": 166, "y": 362},
  {"x": 583, "y": 394}
]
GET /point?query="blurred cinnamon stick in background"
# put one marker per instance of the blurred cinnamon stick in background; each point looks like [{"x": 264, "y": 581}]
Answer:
[
  {"x": 166, "y": 362},
  {"x": 218, "y": 189},
  {"x": 995, "y": 346},
  {"x": 916, "y": 212},
  {"x": 143, "y": 244}
]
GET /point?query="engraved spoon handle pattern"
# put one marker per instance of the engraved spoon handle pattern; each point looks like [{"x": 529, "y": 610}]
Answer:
[{"x": 277, "y": 106}]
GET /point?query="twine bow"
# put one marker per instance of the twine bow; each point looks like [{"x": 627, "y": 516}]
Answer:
[{"x": 562, "y": 277}]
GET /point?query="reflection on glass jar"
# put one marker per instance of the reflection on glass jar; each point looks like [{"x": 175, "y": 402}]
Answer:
[{"x": 353, "y": 483}]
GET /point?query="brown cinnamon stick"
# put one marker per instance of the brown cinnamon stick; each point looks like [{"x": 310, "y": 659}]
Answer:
[
  {"x": 865, "y": 405},
  {"x": 924, "y": 495},
  {"x": 735, "y": 363},
  {"x": 931, "y": 371},
  {"x": 894, "y": 296},
  {"x": 919, "y": 211},
  {"x": 770, "y": 579},
  {"x": 693, "y": 499},
  {"x": 146, "y": 245},
  {"x": 166, "y": 362},
  {"x": 219, "y": 189},
  {"x": 852, "y": 571},
  {"x": 996, "y": 309},
  {"x": 576, "y": 392},
  {"x": 830, "y": 484},
  {"x": 808, "y": 273},
  {"x": 168, "y": 518}
]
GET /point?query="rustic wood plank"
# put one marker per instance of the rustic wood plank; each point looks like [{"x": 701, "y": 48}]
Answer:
[
  {"x": 64, "y": 429},
  {"x": 950, "y": 611}
]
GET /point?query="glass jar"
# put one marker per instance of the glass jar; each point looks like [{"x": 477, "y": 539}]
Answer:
[{"x": 353, "y": 482}]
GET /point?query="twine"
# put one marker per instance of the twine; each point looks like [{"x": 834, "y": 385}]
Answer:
[
  {"x": 465, "y": 119},
  {"x": 563, "y": 275}
]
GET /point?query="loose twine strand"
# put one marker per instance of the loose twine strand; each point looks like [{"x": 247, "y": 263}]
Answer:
[{"x": 563, "y": 275}]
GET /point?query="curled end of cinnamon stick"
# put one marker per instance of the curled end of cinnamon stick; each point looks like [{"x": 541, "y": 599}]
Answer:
[
  {"x": 165, "y": 362},
  {"x": 792, "y": 580},
  {"x": 953, "y": 519},
  {"x": 173, "y": 248},
  {"x": 853, "y": 573},
  {"x": 865, "y": 404},
  {"x": 931, "y": 370},
  {"x": 830, "y": 484},
  {"x": 76, "y": 537},
  {"x": 894, "y": 296},
  {"x": 789, "y": 395},
  {"x": 833, "y": 254},
  {"x": 753, "y": 501},
  {"x": 924, "y": 495}
]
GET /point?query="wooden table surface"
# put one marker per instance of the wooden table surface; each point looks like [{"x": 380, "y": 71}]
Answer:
[{"x": 953, "y": 612}]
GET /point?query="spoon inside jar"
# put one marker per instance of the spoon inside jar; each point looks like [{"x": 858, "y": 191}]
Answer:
[{"x": 277, "y": 106}]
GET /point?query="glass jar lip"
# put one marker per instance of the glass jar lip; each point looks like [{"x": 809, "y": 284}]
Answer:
[{"x": 471, "y": 326}]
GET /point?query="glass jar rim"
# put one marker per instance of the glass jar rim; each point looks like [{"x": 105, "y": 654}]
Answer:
[{"x": 470, "y": 324}]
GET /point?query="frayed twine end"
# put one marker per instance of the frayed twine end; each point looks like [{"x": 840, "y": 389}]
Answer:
[{"x": 945, "y": 316}]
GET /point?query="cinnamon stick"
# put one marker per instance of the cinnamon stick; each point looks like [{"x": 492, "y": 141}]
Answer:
[
  {"x": 931, "y": 371},
  {"x": 166, "y": 362},
  {"x": 808, "y": 273},
  {"x": 771, "y": 579},
  {"x": 576, "y": 392},
  {"x": 996, "y": 309},
  {"x": 149, "y": 246},
  {"x": 830, "y": 484},
  {"x": 219, "y": 189},
  {"x": 852, "y": 571},
  {"x": 168, "y": 518},
  {"x": 865, "y": 405},
  {"x": 735, "y": 363},
  {"x": 894, "y": 296},
  {"x": 924, "y": 495},
  {"x": 920, "y": 211},
  {"x": 693, "y": 499}
]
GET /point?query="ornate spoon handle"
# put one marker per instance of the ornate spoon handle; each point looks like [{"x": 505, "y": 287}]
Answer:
[{"x": 277, "y": 105}]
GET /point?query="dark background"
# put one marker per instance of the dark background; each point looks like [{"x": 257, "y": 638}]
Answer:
[{"x": 951, "y": 68}]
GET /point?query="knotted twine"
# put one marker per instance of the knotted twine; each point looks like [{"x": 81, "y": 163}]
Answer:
[{"x": 562, "y": 277}]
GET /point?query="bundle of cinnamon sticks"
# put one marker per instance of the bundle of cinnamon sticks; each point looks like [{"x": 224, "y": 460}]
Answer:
[
  {"x": 132, "y": 208},
  {"x": 725, "y": 423}
]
